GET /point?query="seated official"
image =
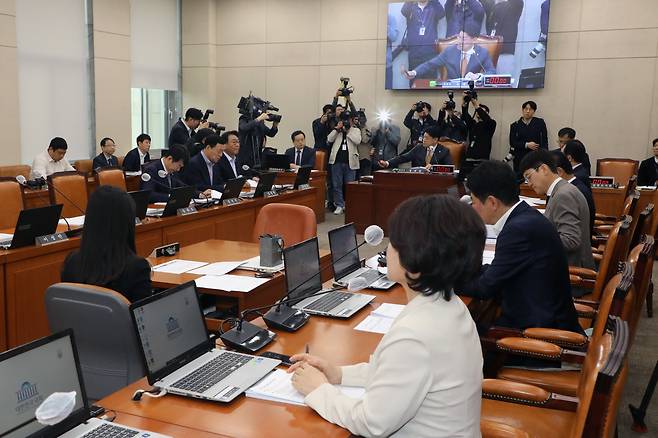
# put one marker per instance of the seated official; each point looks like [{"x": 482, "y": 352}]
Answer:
[
  {"x": 160, "y": 186},
  {"x": 565, "y": 171},
  {"x": 197, "y": 142},
  {"x": 106, "y": 158},
  {"x": 108, "y": 259},
  {"x": 135, "y": 159},
  {"x": 564, "y": 136},
  {"x": 575, "y": 152},
  {"x": 529, "y": 274},
  {"x": 648, "y": 172},
  {"x": 566, "y": 207},
  {"x": 424, "y": 378},
  {"x": 203, "y": 171},
  {"x": 425, "y": 154},
  {"x": 300, "y": 154},
  {"x": 230, "y": 164},
  {"x": 51, "y": 160}
]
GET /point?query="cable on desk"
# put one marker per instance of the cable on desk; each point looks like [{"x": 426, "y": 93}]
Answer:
[{"x": 155, "y": 393}]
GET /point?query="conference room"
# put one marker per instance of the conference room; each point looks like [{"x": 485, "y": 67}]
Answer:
[{"x": 328, "y": 218}]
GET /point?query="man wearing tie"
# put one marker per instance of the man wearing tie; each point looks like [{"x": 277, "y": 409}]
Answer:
[
  {"x": 425, "y": 154},
  {"x": 202, "y": 171},
  {"x": 136, "y": 158},
  {"x": 230, "y": 165},
  {"x": 300, "y": 154},
  {"x": 106, "y": 158}
]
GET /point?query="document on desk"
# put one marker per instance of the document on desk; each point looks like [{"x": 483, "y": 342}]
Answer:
[
  {"x": 373, "y": 263},
  {"x": 178, "y": 266},
  {"x": 218, "y": 268},
  {"x": 488, "y": 256},
  {"x": 277, "y": 386},
  {"x": 381, "y": 319},
  {"x": 76, "y": 221},
  {"x": 4, "y": 236},
  {"x": 232, "y": 283},
  {"x": 253, "y": 264},
  {"x": 532, "y": 201}
]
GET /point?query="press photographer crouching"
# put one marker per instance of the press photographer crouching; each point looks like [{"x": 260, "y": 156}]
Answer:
[
  {"x": 344, "y": 157},
  {"x": 451, "y": 126},
  {"x": 481, "y": 127},
  {"x": 418, "y": 119},
  {"x": 254, "y": 112}
]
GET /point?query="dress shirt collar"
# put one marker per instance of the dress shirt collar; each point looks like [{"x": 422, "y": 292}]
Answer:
[
  {"x": 576, "y": 165},
  {"x": 208, "y": 162},
  {"x": 549, "y": 192},
  {"x": 571, "y": 179},
  {"x": 48, "y": 157},
  {"x": 655, "y": 160},
  {"x": 163, "y": 165},
  {"x": 107, "y": 157},
  {"x": 228, "y": 157},
  {"x": 141, "y": 154},
  {"x": 500, "y": 224}
]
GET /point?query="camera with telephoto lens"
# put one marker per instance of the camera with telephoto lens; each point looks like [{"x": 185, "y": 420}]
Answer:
[
  {"x": 212, "y": 125},
  {"x": 471, "y": 93},
  {"x": 253, "y": 107},
  {"x": 450, "y": 103},
  {"x": 346, "y": 90},
  {"x": 346, "y": 118},
  {"x": 540, "y": 47},
  {"x": 419, "y": 106}
]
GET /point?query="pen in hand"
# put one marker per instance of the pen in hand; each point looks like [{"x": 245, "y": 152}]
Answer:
[{"x": 306, "y": 350}]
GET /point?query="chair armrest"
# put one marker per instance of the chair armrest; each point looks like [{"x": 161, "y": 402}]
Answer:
[
  {"x": 538, "y": 349},
  {"x": 490, "y": 428},
  {"x": 597, "y": 256},
  {"x": 589, "y": 274},
  {"x": 585, "y": 311},
  {"x": 604, "y": 217},
  {"x": 521, "y": 393},
  {"x": 588, "y": 303},
  {"x": 563, "y": 338}
]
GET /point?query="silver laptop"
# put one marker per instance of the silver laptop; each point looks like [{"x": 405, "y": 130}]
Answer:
[
  {"x": 180, "y": 356},
  {"x": 346, "y": 262},
  {"x": 31, "y": 373},
  {"x": 302, "y": 261}
]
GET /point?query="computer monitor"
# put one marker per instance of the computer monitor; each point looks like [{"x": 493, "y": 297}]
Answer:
[
  {"x": 35, "y": 222},
  {"x": 302, "y": 261},
  {"x": 303, "y": 175},
  {"x": 344, "y": 252},
  {"x": 179, "y": 197},
  {"x": 141, "y": 199}
]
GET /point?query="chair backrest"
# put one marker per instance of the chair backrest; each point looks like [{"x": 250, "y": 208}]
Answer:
[
  {"x": 457, "y": 151},
  {"x": 104, "y": 334},
  {"x": 494, "y": 429},
  {"x": 14, "y": 171},
  {"x": 617, "y": 299},
  {"x": 294, "y": 223},
  {"x": 632, "y": 185},
  {"x": 111, "y": 176},
  {"x": 12, "y": 201},
  {"x": 621, "y": 168},
  {"x": 120, "y": 159},
  {"x": 69, "y": 189},
  {"x": 320, "y": 160},
  {"x": 493, "y": 44},
  {"x": 83, "y": 166},
  {"x": 611, "y": 255},
  {"x": 642, "y": 257},
  {"x": 642, "y": 225}
]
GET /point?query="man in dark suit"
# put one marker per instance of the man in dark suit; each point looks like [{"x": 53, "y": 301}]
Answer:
[
  {"x": 575, "y": 152},
  {"x": 164, "y": 174},
  {"x": 425, "y": 154},
  {"x": 300, "y": 154},
  {"x": 203, "y": 171},
  {"x": 529, "y": 274},
  {"x": 565, "y": 171},
  {"x": 252, "y": 131},
  {"x": 230, "y": 165},
  {"x": 134, "y": 159},
  {"x": 184, "y": 129},
  {"x": 106, "y": 158},
  {"x": 564, "y": 136},
  {"x": 648, "y": 172}
]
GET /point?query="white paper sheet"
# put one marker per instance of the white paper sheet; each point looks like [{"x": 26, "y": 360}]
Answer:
[
  {"x": 375, "y": 324},
  {"x": 218, "y": 268},
  {"x": 178, "y": 266},
  {"x": 253, "y": 264},
  {"x": 388, "y": 310},
  {"x": 532, "y": 201},
  {"x": 4, "y": 236},
  {"x": 251, "y": 183},
  {"x": 133, "y": 173},
  {"x": 76, "y": 221},
  {"x": 277, "y": 386},
  {"x": 236, "y": 283}
]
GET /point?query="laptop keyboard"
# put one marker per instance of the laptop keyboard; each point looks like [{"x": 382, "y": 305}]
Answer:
[
  {"x": 212, "y": 372},
  {"x": 371, "y": 276},
  {"x": 110, "y": 431},
  {"x": 329, "y": 301}
]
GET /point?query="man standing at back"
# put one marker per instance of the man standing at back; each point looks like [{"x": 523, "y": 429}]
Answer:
[
  {"x": 184, "y": 129},
  {"x": 566, "y": 207}
]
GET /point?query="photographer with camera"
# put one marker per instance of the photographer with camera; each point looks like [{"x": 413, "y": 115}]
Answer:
[
  {"x": 418, "y": 119},
  {"x": 321, "y": 128},
  {"x": 366, "y": 151},
  {"x": 449, "y": 122},
  {"x": 481, "y": 127},
  {"x": 344, "y": 156},
  {"x": 197, "y": 142},
  {"x": 183, "y": 130},
  {"x": 385, "y": 140},
  {"x": 252, "y": 129}
]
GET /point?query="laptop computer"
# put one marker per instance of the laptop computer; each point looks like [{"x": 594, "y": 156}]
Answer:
[
  {"x": 265, "y": 182},
  {"x": 232, "y": 188},
  {"x": 31, "y": 373},
  {"x": 346, "y": 262},
  {"x": 302, "y": 261},
  {"x": 179, "y": 197},
  {"x": 303, "y": 175},
  {"x": 180, "y": 356},
  {"x": 32, "y": 223},
  {"x": 276, "y": 161},
  {"x": 141, "y": 199}
]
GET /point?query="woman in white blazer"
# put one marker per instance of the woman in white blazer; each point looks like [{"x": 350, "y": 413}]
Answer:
[{"x": 425, "y": 377}]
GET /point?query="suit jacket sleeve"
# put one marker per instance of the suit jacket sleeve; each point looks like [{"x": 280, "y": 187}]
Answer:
[
  {"x": 543, "y": 132},
  {"x": 646, "y": 175},
  {"x": 408, "y": 119},
  {"x": 96, "y": 163},
  {"x": 354, "y": 135},
  {"x": 515, "y": 143},
  {"x": 272, "y": 131},
  {"x": 447, "y": 158},
  {"x": 562, "y": 212},
  {"x": 403, "y": 158},
  {"x": 393, "y": 396},
  {"x": 140, "y": 287},
  {"x": 432, "y": 64}
]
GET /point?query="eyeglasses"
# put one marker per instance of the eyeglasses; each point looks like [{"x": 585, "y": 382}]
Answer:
[{"x": 526, "y": 177}]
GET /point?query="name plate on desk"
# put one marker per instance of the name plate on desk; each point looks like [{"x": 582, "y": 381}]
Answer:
[
  {"x": 49, "y": 239},
  {"x": 231, "y": 201},
  {"x": 303, "y": 187},
  {"x": 442, "y": 168},
  {"x": 186, "y": 210},
  {"x": 270, "y": 194},
  {"x": 607, "y": 182},
  {"x": 166, "y": 250}
]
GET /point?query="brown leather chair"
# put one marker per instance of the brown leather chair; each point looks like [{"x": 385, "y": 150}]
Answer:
[
  {"x": 621, "y": 168},
  {"x": 83, "y": 166},
  {"x": 12, "y": 201},
  {"x": 320, "y": 160},
  {"x": 492, "y": 429},
  {"x": 457, "y": 151},
  {"x": 642, "y": 255},
  {"x": 71, "y": 192},
  {"x": 120, "y": 159},
  {"x": 111, "y": 176},
  {"x": 628, "y": 208},
  {"x": 294, "y": 223},
  {"x": 14, "y": 171},
  {"x": 492, "y": 44},
  {"x": 643, "y": 224}
]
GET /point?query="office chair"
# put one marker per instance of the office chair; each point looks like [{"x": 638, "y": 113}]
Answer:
[
  {"x": 111, "y": 176},
  {"x": 71, "y": 185},
  {"x": 294, "y": 223},
  {"x": 12, "y": 201}
]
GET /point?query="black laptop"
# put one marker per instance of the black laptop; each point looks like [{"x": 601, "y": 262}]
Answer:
[
  {"x": 276, "y": 161},
  {"x": 232, "y": 188},
  {"x": 179, "y": 197},
  {"x": 32, "y": 223},
  {"x": 303, "y": 175},
  {"x": 265, "y": 183},
  {"x": 141, "y": 199}
]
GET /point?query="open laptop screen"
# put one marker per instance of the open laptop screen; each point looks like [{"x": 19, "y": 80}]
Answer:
[
  {"x": 302, "y": 261},
  {"x": 342, "y": 242},
  {"x": 29, "y": 375},
  {"x": 169, "y": 326}
]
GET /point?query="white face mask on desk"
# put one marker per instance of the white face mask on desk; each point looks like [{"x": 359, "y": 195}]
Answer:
[{"x": 56, "y": 408}]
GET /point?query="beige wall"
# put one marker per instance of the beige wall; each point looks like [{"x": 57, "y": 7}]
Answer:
[
  {"x": 9, "y": 125},
  {"x": 602, "y": 66}
]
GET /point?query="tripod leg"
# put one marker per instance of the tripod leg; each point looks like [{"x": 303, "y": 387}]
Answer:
[{"x": 638, "y": 414}]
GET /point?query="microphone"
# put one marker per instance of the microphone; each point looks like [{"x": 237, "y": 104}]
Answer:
[
  {"x": 146, "y": 178},
  {"x": 20, "y": 179},
  {"x": 466, "y": 199}
]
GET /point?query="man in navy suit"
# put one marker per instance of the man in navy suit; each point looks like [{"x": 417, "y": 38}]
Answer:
[
  {"x": 134, "y": 159},
  {"x": 529, "y": 274},
  {"x": 230, "y": 165},
  {"x": 459, "y": 59},
  {"x": 300, "y": 154},
  {"x": 648, "y": 172},
  {"x": 106, "y": 158},
  {"x": 425, "y": 154},
  {"x": 164, "y": 176},
  {"x": 183, "y": 130},
  {"x": 575, "y": 152},
  {"x": 202, "y": 171}
]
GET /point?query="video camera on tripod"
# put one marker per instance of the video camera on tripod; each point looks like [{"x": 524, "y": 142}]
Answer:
[{"x": 253, "y": 107}]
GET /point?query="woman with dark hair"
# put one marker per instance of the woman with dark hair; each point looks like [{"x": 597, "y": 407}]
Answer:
[
  {"x": 107, "y": 250},
  {"x": 425, "y": 377}
]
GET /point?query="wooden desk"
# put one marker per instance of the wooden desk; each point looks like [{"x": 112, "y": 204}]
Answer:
[
  {"x": 607, "y": 201},
  {"x": 373, "y": 203},
  {"x": 29, "y": 271},
  {"x": 318, "y": 180},
  {"x": 166, "y": 428},
  {"x": 331, "y": 338}
]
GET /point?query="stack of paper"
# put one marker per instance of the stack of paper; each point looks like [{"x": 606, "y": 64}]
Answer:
[
  {"x": 231, "y": 283},
  {"x": 277, "y": 386},
  {"x": 219, "y": 268},
  {"x": 381, "y": 319},
  {"x": 178, "y": 266},
  {"x": 253, "y": 264},
  {"x": 76, "y": 221}
]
